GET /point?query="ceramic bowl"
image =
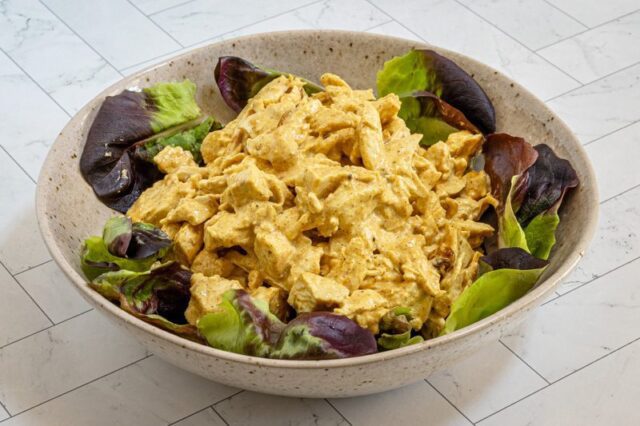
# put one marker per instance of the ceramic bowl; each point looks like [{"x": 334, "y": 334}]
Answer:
[{"x": 68, "y": 211}]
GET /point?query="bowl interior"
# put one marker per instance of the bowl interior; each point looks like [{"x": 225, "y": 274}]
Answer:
[{"x": 68, "y": 211}]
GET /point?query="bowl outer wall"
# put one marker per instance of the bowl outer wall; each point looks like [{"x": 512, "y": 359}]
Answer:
[{"x": 68, "y": 211}]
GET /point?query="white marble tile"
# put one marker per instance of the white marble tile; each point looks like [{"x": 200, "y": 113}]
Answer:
[
  {"x": 394, "y": 29},
  {"x": 249, "y": 408},
  {"x": 493, "y": 372},
  {"x": 201, "y": 19},
  {"x": 617, "y": 240},
  {"x": 415, "y": 404},
  {"x": 53, "y": 292},
  {"x": 595, "y": 12},
  {"x": 61, "y": 358},
  {"x": 20, "y": 243},
  {"x": 578, "y": 328},
  {"x": 30, "y": 119},
  {"x": 3, "y": 413},
  {"x": 451, "y": 25},
  {"x": 19, "y": 316},
  {"x": 52, "y": 54},
  {"x": 614, "y": 158},
  {"x": 116, "y": 29},
  {"x": 153, "y": 6},
  {"x": 604, "y": 394},
  {"x": 149, "y": 392},
  {"x": 600, "y": 51},
  {"x": 534, "y": 23},
  {"x": 603, "y": 106},
  {"x": 354, "y": 15},
  {"x": 202, "y": 418}
]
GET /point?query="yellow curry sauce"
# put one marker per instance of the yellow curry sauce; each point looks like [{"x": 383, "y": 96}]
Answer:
[{"x": 324, "y": 202}]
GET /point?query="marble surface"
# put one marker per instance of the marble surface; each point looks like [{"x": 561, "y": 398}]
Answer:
[{"x": 575, "y": 361}]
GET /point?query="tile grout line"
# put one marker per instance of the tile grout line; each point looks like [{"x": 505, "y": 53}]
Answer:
[
  {"x": 205, "y": 408},
  {"x": 44, "y": 329},
  {"x": 587, "y": 30},
  {"x": 23, "y": 170},
  {"x": 155, "y": 24},
  {"x": 378, "y": 25},
  {"x": 189, "y": 415},
  {"x": 592, "y": 280},
  {"x": 169, "y": 8},
  {"x": 519, "y": 42},
  {"x": 611, "y": 133},
  {"x": 33, "y": 267},
  {"x": 397, "y": 20},
  {"x": 561, "y": 378},
  {"x": 217, "y": 36},
  {"x": 79, "y": 36},
  {"x": 82, "y": 385},
  {"x": 338, "y": 411},
  {"x": 226, "y": 398},
  {"x": 450, "y": 403},
  {"x": 137, "y": 64},
  {"x": 253, "y": 23},
  {"x": 568, "y": 15},
  {"x": 511, "y": 404},
  {"x": 35, "y": 81},
  {"x": 619, "y": 194},
  {"x": 28, "y": 295},
  {"x": 219, "y": 415},
  {"x": 525, "y": 362},
  {"x": 5, "y": 410},
  {"x": 626, "y": 67}
]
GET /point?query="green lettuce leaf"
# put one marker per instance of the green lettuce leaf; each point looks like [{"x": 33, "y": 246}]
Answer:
[
  {"x": 189, "y": 140},
  {"x": 540, "y": 234},
  {"x": 510, "y": 233},
  {"x": 426, "y": 70},
  {"x": 425, "y": 113},
  {"x": 394, "y": 341},
  {"x": 97, "y": 260},
  {"x": 511, "y": 272},
  {"x": 159, "y": 296},
  {"x": 244, "y": 325},
  {"x": 174, "y": 103},
  {"x": 108, "y": 162}
]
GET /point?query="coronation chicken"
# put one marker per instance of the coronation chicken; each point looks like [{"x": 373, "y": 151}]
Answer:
[{"x": 324, "y": 202}]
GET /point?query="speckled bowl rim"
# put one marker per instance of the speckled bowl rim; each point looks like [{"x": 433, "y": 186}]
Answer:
[{"x": 531, "y": 298}]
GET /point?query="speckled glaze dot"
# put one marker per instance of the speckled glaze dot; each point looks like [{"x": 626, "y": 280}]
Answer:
[{"x": 68, "y": 212}]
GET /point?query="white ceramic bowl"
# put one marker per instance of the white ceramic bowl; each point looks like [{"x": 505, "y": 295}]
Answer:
[{"x": 68, "y": 211}]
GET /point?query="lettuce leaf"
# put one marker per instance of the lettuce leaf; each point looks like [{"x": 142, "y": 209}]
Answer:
[
  {"x": 506, "y": 156},
  {"x": 189, "y": 140},
  {"x": 511, "y": 273},
  {"x": 545, "y": 184},
  {"x": 159, "y": 295},
  {"x": 134, "y": 240},
  {"x": 96, "y": 259},
  {"x": 426, "y": 70},
  {"x": 244, "y": 325},
  {"x": 425, "y": 113},
  {"x": 540, "y": 234},
  {"x": 510, "y": 233},
  {"x": 239, "y": 80},
  {"x": 107, "y": 162}
]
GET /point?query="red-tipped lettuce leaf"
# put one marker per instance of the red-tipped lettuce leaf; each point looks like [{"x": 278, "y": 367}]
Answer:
[
  {"x": 107, "y": 162},
  {"x": 425, "y": 113},
  {"x": 512, "y": 258},
  {"x": 429, "y": 71},
  {"x": 244, "y": 325},
  {"x": 504, "y": 157},
  {"x": 323, "y": 335},
  {"x": 545, "y": 184},
  {"x": 239, "y": 80}
]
